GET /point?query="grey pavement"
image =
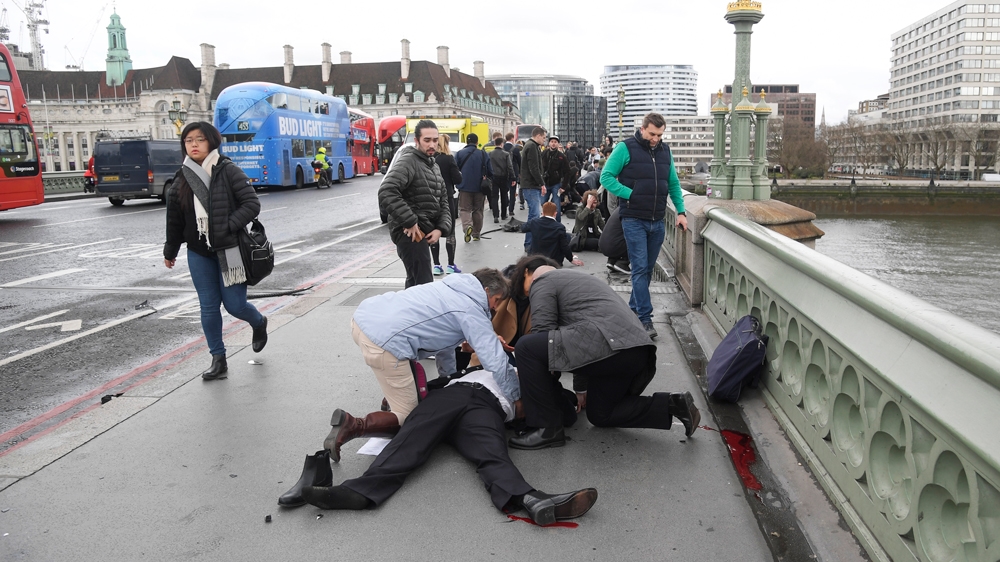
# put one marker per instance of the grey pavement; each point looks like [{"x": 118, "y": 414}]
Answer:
[{"x": 178, "y": 468}]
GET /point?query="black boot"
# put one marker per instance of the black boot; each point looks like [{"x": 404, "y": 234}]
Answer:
[
  {"x": 546, "y": 509},
  {"x": 315, "y": 472},
  {"x": 218, "y": 368},
  {"x": 260, "y": 336},
  {"x": 334, "y": 497},
  {"x": 682, "y": 407}
]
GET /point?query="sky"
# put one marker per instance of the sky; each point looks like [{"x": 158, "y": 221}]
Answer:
[{"x": 838, "y": 50}]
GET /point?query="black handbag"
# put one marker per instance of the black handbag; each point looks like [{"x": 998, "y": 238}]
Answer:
[
  {"x": 486, "y": 186},
  {"x": 257, "y": 252},
  {"x": 255, "y": 248}
]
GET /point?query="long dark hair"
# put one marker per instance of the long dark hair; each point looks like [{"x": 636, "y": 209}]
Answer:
[
  {"x": 525, "y": 265},
  {"x": 214, "y": 139}
]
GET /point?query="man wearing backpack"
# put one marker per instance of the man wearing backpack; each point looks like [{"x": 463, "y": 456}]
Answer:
[
  {"x": 556, "y": 167},
  {"x": 476, "y": 168}
]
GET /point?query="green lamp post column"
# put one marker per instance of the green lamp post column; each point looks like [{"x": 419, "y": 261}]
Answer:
[
  {"x": 739, "y": 149},
  {"x": 718, "y": 183},
  {"x": 761, "y": 189}
]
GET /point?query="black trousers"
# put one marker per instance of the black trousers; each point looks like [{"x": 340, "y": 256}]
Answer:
[
  {"x": 512, "y": 196},
  {"x": 416, "y": 258},
  {"x": 467, "y": 417},
  {"x": 609, "y": 402}
]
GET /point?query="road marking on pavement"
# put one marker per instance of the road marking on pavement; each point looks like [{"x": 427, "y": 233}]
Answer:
[
  {"x": 151, "y": 250},
  {"x": 32, "y": 321},
  {"x": 338, "y": 197},
  {"x": 369, "y": 221},
  {"x": 41, "y": 277},
  {"x": 288, "y": 247},
  {"x": 29, "y": 246},
  {"x": 160, "y": 209},
  {"x": 327, "y": 245},
  {"x": 75, "y": 337},
  {"x": 269, "y": 210},
  {"x": 62, "y": 248},
  {"x": 67, "y": 326}
]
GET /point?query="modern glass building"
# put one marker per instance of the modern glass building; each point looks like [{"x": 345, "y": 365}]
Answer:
[
  {"x": 564, "y": 105},
  {"x": 669, "y": 89}
]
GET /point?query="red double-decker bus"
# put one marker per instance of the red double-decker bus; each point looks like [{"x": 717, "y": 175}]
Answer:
[
  {"x": 363, "y": 147},
  {"x": 20, "y": 170},
  {"x": 391, "y": 131}
]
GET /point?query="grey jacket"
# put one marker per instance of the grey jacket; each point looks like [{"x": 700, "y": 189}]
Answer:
[
  {"x": 585, "y": 319},
  {"x": 503, "y": 166}
]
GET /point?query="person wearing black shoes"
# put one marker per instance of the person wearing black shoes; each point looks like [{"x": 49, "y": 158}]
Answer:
[
  {"x": 469, "y": 414},
  {"x": 209, "y": 200},
  {"x": 579, "y": 324}
]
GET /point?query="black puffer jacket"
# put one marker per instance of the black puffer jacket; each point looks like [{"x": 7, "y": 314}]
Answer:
[
  {"x": 413, "y": 192},
  {"x": 225, "y": 222}
]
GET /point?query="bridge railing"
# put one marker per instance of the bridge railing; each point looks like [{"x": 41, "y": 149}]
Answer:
[
  {"x": 894, "y": 402},
  {"x": 63, "y": 182}
]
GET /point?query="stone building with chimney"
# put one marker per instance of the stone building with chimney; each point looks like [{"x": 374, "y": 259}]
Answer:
[{"x": 71, "y": 110}]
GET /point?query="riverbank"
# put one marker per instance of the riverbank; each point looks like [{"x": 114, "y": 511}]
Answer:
[{"x": 888, "y": 197}]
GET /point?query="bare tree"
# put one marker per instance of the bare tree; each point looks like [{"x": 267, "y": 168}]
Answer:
[
  {"x": 898, "y": 147},
  {"x": 834, "y": 143},
  {"x": 939, "y": 148},
  {"x": 792, "y": 144},
  {"x": 979, "y": 143},
  {"x": 863, "y": 139}
]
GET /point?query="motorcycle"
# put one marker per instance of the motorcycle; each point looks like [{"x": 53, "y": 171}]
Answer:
[
  {"x": 319, "y": 176},
  {"x": 89, "y": 184}
]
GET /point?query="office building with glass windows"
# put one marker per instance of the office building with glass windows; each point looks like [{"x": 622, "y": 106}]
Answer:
[
  {"x": 564, "y": 105},
  {"x": 668, "y": 89}
]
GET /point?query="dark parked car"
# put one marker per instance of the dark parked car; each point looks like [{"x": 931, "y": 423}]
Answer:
[{"x": 135, "y": 169}]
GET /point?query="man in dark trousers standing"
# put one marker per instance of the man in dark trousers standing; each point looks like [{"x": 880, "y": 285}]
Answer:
[
  {"x": 532, "y": 177},
  {"x": 503, "y": 174},
  {"x": 515, "y": 158},
  {"x": 640, "y": 172},
  {"x": 415, "y": 199},
  {"x": 556, "y": 166},
  {"x": 579, "y": 324},
  {"x": 475, "y": 167}
]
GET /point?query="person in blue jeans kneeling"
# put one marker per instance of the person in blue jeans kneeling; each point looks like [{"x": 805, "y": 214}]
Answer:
[{"x": 640, "y": 172}]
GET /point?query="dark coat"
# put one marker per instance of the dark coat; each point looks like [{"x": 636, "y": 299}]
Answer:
[
  {"x": 556, "y": 167},
  {"x": 515, "y": 157},
  {"x": 587, "y": 218},
  {"x": 548, "y": 238},
  {"x": 225, "y": 222},
  {"x": 449, "y": 172},
  {"x": 531, "y": 166},
  {"x": 474, "y": 164},
  {"x": 612, "y": 243},
  {"x": 503, "y": 167},
  {"x": 413, "y": 192},
  {"x": 585, "y": 319}
]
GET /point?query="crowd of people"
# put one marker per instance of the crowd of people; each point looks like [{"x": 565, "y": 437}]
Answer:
[
  {"x": 513, "y": 331},
  {"x": 517, "y": 330}
]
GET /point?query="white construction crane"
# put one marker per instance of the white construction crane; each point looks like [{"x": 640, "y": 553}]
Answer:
[
  {"x": 78, "y": 63},
  {"x": 33, "y": 13}
]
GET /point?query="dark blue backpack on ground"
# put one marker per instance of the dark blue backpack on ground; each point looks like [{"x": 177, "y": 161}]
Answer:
[{"x": 738, "y": 360}]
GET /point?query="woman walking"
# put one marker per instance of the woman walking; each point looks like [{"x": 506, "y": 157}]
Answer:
[
  {"x": 209, "y": 201},
  {"x": 451, "y": 175}
]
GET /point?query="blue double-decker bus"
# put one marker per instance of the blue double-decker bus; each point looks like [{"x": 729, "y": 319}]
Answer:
[{"x": 273, "y": 132}]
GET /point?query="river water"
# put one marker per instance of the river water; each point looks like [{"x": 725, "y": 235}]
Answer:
[{"x": 951, "y": 262}]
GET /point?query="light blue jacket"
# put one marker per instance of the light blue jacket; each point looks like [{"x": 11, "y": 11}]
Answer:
[{"x": 424, "y": 319}]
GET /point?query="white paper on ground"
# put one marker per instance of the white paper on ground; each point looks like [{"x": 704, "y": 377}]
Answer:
[{"x": 374, "y": 446}]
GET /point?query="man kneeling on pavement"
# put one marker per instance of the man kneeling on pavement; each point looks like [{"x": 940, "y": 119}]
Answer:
[{"x": 469, "y": 413}]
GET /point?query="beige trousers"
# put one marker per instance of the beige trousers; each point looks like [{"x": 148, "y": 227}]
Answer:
[{"x": 393, "y": 375}]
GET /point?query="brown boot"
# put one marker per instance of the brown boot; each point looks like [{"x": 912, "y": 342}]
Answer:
[{"x": 375, "y": 424}]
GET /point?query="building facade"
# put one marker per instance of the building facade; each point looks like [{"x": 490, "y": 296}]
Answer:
[
  {"x": 668, "y": 89},
  {"x": 71, "y": 110},
  {"x": 564, "y": 105},
  {"x": 790, "y": 102},
  {"x": 945, "y": 89},
  {"x": 691, "y": 140}
]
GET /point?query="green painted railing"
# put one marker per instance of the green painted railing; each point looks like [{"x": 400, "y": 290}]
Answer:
[
  {"x": 63, "y": 182},
  {"x": 894, "y": 402}
]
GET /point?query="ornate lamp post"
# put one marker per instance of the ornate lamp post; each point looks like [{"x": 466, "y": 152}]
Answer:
[
  {"x": 620, "y": 104},
  {"x": 177, "y": 115}
]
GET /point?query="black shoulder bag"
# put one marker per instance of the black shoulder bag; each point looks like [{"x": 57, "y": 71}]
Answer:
[
  {"x": 486, "y": 185},
  {"x": 255, "y": 248}
]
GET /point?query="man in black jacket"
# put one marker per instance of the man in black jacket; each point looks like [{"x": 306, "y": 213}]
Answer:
[
  {"x": 548, "y": 236},
  {"x": 503, "y": 180},
  {"x": 414, "y": 196},
  {"x": 532, "y": 177},
  {"x": 515, "y": 158},
  {"x": 556, "y": 167}
]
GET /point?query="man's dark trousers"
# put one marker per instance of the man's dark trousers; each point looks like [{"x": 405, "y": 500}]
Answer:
[
  {"x": 416, "y": 257},
  {"x": 470, "y": 419},
  {"x": 609, "y": 402}
]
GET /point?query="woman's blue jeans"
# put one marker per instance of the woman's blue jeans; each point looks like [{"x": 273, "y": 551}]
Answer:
[{"x": 207, "y": 278}]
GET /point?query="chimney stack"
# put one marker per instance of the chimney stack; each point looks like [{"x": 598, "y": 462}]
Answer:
[
  {"x": 478, "y": 72},
  {"x": 404, "y": 62},
  {"x": 224, "y": 66},
  {"x": 208, "y": 68},
  {"x": 345, "y": 57},
  {"x": 443, "y": 60},
  {"x": 289, "y": 64},
  {"x": 327, "y": 61}
]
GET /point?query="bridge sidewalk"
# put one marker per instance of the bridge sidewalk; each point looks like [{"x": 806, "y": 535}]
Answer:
[{"x": 179, "y": 468}]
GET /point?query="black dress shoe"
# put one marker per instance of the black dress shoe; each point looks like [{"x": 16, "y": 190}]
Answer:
[
  {"x": 682, "y": 407},
  {"x": 539, "y": 439},
  {"x": 315, "y": 472},
  {"x": 217, "y": 370},
  {"x": 546, "y": 509},
  {"x": 260, "y": 336}
]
